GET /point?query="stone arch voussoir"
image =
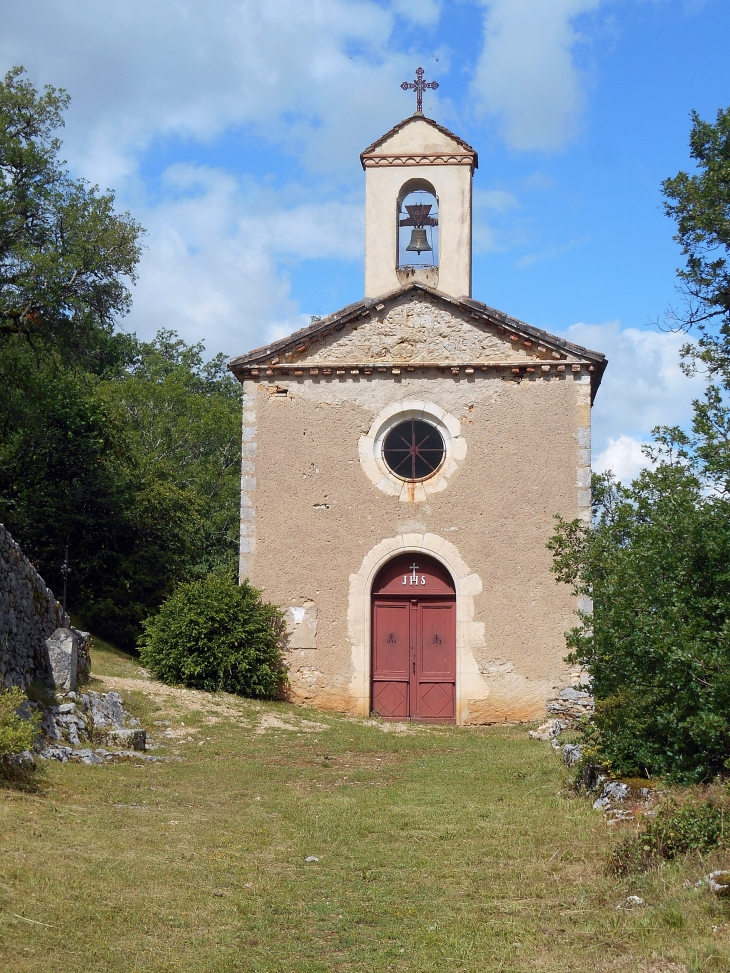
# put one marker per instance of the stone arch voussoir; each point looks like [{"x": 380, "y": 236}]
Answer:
[{"x": 469, "y": 633}]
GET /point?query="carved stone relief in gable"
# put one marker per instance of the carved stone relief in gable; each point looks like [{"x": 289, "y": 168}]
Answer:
[{"x": 418, "y": 331}]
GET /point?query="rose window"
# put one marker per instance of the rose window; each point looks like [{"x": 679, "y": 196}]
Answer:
[{"x": 414, "y": 449}]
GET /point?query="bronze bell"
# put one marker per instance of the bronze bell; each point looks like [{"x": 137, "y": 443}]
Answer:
[{"x": 418, "y": 240}]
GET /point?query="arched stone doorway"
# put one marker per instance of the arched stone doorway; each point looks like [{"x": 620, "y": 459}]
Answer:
[{"x": 413, "y": 641}]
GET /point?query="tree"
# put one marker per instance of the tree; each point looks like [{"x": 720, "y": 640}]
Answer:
[
  {"x": 184, "y": 417},
  {"x": 656, "y": 563},
  {"x": 66, "y": 257},
  {"x": 136, "y": 470},
  {"x": 700, "y": 205},
  {"x": 127, "y": 451},
  {"x": 655, "y": 558}
]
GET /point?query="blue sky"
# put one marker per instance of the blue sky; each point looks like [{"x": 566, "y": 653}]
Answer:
[{"x": 232, "y": 130}]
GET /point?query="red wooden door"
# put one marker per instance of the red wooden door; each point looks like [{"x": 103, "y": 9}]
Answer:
[{"x": 414, "y": 641}]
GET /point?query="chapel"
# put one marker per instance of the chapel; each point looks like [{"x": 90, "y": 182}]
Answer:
[{"x": 403, "y": 460}]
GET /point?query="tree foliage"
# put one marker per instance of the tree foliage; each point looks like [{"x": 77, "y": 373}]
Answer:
[
  {"x": 136, "y": 470},
  {"x": 18, "y": 731},
  {"x": 656, "y": 563},
  {"x": 700, "y": 205},
  {"x": 126, "y": 451},
  {"x": 66, "y": 257},
  {"x": 656, "y": 559},
  {"x": 215, "y": 634}
]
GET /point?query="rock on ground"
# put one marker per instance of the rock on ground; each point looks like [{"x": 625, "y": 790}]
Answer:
[
  {"x": 572, "y": 754},
  {"x": 719, "y": 883},
  {"x": 549, "y": 730}
]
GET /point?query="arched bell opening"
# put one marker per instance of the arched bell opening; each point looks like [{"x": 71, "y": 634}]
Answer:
[{"x": 417, "y": 223}]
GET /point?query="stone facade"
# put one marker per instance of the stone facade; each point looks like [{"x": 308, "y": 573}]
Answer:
[
  {"x": 29, "y": 614},
  {"x": 321, "y": 515},
  {"x": 322, "y": 512}
]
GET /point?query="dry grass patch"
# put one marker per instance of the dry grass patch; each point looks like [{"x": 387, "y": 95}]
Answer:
[{"x": 439, "y": 849}]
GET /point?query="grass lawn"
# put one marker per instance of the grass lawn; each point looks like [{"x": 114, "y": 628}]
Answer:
[{"x": 440, "y": 848}]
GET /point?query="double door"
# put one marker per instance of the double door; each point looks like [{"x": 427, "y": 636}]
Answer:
[{"x": 414, "y": 658}]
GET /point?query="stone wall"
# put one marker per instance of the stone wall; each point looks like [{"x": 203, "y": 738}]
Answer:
[{"x": 29, "y": 614}]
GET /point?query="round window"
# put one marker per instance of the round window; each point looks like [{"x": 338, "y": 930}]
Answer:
[{"x": 414, "y": 449}]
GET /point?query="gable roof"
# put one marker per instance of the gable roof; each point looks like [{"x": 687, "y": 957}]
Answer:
[
  {"x": 370, "y": 151},
  {"x": 269, "y": 357}
]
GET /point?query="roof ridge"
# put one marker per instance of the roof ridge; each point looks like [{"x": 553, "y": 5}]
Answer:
[{"x": 339, "y": 318}]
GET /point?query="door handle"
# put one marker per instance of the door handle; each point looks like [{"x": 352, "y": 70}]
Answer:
[{"x": 414, "y": 667}]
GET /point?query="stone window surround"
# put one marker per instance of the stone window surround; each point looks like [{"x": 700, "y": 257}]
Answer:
[{"x": 370, "y": 448}]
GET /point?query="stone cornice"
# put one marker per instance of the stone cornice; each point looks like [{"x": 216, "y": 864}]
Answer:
[
  {"x": 398, "y": 367},
  {"x": 370, "y": 152},
  {"x": 377, "y": 161}
]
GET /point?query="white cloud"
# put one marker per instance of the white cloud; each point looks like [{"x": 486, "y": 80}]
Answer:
[
  {"x": 211, "y": 268},
  {"x": 643, "y": 386},
  {"x": 623, "y": 457},
  {"x": 424, "y": 12},
  {"x": 315, "y": 81},
  {"x": 320, "y": 78},
  {"x": 526, "y": 74}
]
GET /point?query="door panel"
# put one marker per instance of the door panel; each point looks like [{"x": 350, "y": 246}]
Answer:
[
  {"x": 437, "y": 642},
  {"x": 391, "y": 660},
  {"x": 391, "y": 647},
  {"x": 436, "y": 661},
  {"x": 391, "y": 699},
  {"x": 436, "y": 701}
]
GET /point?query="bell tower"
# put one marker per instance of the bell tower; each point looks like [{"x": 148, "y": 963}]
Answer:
[{"x": 418, "y": 202}]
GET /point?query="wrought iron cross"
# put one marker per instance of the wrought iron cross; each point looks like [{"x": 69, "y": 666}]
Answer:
[{"x": 419, "y": 86}]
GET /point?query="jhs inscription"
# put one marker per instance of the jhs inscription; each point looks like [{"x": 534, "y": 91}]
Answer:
[{"x": 414, "y": 578}]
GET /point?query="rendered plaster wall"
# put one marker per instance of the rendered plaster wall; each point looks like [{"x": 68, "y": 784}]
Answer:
[
  {"x": 452, "y": 184},
  {"x": 322, "y": 526}
]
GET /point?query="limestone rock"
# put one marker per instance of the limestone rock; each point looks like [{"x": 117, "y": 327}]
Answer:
[
  {"x": 572, "y": 754},
  {"x": 83, "y": 668},
  {"x": 78, "y": 717},
  {"x": 56, "y": 752},
  {"x": 106, "y": 710},
  {"x": 549, "y": 730},
  {"x": 62, "y": 648},
  {"x": 719, "y": 883},
  {"x": 571, "y": 704},
  {"x": 632, "y": 902},
  {"x": 84, "y": 756},
  {"x": 23, "y": 761},
  {"x": 131, "y": 739},
  {"x": 614, "y": 792}
]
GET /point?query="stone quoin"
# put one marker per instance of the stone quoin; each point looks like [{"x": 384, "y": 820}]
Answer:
[{"x": 417, "y": 434}]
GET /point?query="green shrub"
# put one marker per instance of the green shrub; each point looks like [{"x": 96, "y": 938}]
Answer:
[
  {"x": 16, "y": 733},
  {"x": 657, "y": 643},
  {"x": 674, "y": 831},
  {"x": 217, "y": 635}
]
